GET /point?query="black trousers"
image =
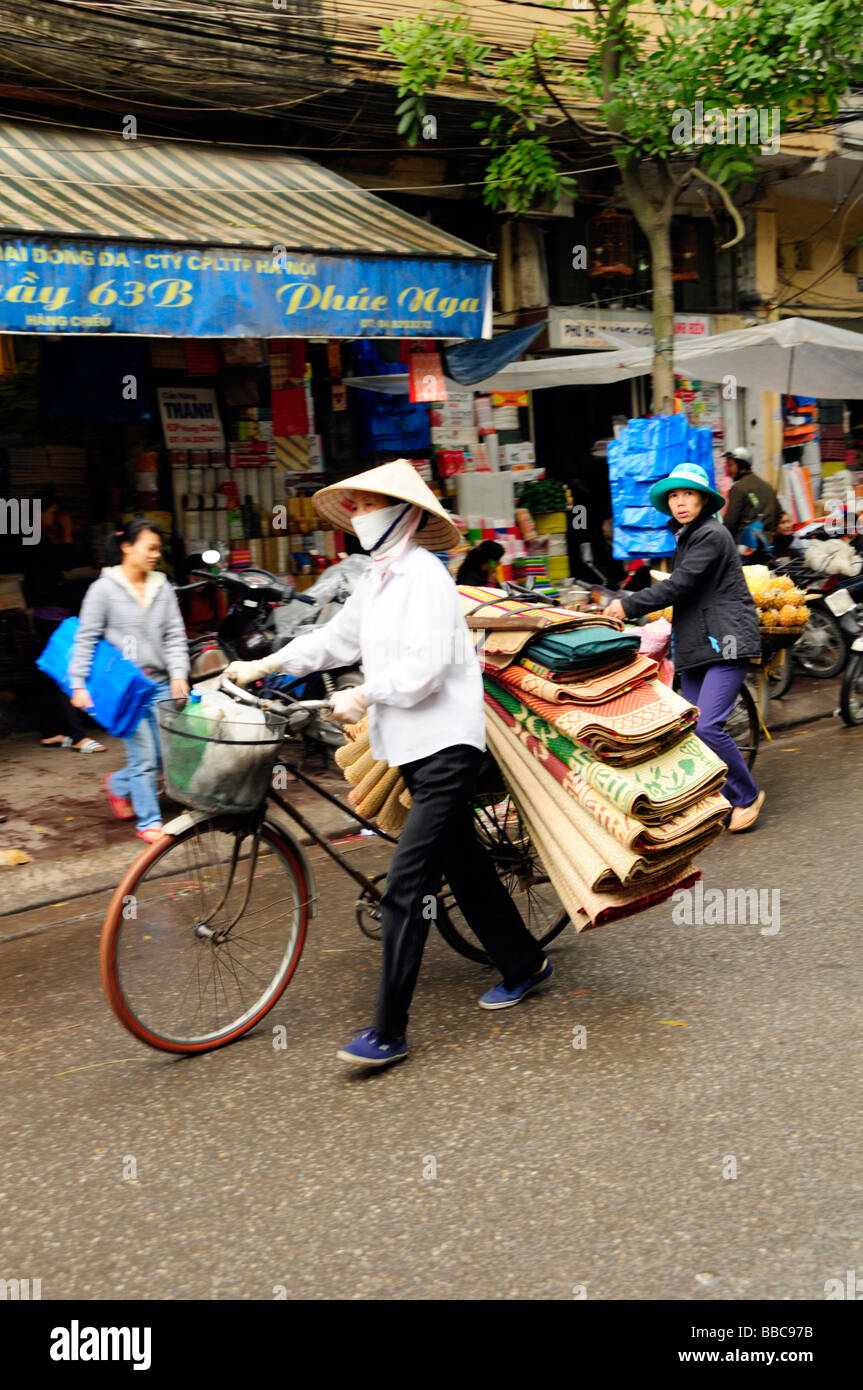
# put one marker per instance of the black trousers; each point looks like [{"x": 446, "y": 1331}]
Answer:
[{"x": 440, "y": 840}]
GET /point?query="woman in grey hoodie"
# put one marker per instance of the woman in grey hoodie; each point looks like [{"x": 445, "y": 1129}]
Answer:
[{"x": 135, "y": 609}]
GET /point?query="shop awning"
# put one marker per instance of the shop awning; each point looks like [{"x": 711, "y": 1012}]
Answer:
[
  {"x": 341, "y": 254},
  {"x": 801, "y": 357}
]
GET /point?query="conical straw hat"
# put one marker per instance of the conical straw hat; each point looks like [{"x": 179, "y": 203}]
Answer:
[{"x": 401, "y": 481}]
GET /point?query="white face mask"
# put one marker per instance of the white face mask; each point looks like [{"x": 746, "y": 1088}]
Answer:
[{"x": 372, "y": 526}]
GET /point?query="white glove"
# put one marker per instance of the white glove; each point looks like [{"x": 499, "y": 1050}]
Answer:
[
  {"x": 243, "y": 673},
  {"x": 349, "y": 705}
]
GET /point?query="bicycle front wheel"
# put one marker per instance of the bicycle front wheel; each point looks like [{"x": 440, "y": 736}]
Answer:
[{"x": 204, "y": 933}]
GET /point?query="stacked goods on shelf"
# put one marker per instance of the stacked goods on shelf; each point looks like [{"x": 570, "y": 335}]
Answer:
[
  {"x": 547, "y": 503},
  {"x": 147, "y": 480},
  {"x": 479, "y": 528},
  {"x": 614, "y": 788},
  {"x": 801, "y": 421},
  {"x": 781, "y": 606},
  {"x": 646, "y": 451},
  {"x": 60, "y": 468},
  {"x": 797, "y": 487},
  {"x": 533, "y": 571},
  {"x": 833, "y": 435}
]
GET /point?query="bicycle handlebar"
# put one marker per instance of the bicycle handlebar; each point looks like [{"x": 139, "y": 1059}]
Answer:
[{"x": 239, "y": 693}]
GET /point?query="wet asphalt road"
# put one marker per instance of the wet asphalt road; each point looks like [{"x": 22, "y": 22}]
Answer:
[{"x": 499, "y": 1161}]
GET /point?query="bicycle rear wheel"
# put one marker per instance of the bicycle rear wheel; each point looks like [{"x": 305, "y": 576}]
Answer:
[
  {"x": 204, "y": 933},
  {"x": 502, "y": 832}
]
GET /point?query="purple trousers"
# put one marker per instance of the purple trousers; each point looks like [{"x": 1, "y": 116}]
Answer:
[{"x": 714, "y": 689}]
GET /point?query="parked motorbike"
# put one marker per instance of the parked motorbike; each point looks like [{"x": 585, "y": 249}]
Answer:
[
  {"x": 822, "y": 648},
  {"x": 263, "y": 615}
]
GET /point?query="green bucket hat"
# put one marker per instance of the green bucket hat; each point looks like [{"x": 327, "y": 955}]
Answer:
[{"x": 686, "y": 475}]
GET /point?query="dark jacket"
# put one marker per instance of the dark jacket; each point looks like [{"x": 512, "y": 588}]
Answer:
[
  {"x": 715, "y": 618},
  {"x": 471, "y": 572},
  {"x": 749, "y": 498}
]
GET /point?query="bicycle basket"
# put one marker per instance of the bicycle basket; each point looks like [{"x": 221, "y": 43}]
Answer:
[{"x": 218, "y": 764}]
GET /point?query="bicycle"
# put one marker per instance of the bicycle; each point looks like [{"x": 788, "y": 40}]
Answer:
[{"x": 206, "y": 929}]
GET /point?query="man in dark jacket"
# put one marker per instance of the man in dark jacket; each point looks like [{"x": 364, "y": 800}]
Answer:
[
  {"x": 751, "y": 498},
  {"x": 714, "y": 626}
]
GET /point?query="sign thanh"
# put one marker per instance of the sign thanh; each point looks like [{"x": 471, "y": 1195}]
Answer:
[
  {"x": 571, "y": 328},
  {"x": 190, "y": 418},
  {"x": 63, "y": 286}
]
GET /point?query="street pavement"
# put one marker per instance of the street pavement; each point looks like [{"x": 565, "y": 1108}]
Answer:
[{"x": 500, "y": 1161}]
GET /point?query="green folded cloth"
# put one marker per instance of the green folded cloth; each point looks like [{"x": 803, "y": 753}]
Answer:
[{"x": 583, "y": 649}]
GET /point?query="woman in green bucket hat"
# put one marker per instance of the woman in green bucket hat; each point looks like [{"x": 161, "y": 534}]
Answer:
[{"x": 714, "y": 627}]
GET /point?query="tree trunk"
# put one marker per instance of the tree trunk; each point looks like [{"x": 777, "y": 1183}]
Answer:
[
  {"x": 663, "y": 317},
  {"x": 654, "y": 219}
]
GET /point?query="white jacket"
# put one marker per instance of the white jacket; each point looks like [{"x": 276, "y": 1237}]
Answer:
[{"x": 422, "y": 676}]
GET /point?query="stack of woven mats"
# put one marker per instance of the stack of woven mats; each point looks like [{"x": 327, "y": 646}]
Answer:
[{"x": 616, "y": 791}]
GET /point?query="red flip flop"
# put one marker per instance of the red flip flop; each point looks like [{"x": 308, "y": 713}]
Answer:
[
  {"x": 120, "y": 805},
  {"x": 151, "y": 834}
]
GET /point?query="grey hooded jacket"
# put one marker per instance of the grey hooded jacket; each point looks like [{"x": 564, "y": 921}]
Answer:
[{"x": 151, "y": 634}]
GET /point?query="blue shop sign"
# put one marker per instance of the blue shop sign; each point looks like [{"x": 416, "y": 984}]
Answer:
[{"x": 62, "y": 286}]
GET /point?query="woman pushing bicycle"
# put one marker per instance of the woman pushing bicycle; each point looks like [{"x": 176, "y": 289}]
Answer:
[
  {"x": 424, "y": 697},
  {"x": 714, "y": 629}
]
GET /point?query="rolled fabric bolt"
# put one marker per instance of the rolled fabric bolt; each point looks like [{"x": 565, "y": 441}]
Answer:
[
  {"x": 356, "y": 771},
  {"x": 371, "y": 804},
  {"x": 349, "y": 752},
  {"x": 393, "y": 814},
  {"x": 363, "y": 788},
  {"x": 406, "y": 799},
  {"x": 356, "y": 730}
]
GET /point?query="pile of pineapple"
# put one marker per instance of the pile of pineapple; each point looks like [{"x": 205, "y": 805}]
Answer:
[{"x": 779, "y": 603}]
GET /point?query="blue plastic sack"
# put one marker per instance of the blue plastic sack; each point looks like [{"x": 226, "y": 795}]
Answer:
[
  {"x": 631, "y": 492},
  {"x": 630, "y": 544},
  {"x": 121, "y": 693},
  {"x": 643, "y": 517},
  {"x": 666, "y": 431}
]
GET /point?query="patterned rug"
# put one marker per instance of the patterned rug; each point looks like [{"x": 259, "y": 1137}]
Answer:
[
  {"x": 504, "y": 626},
  {"x": 686, "y": 827},
  {"x": 640, "y": 723},
  {"x": 574, "y": 687},
  {"x": 651, "y": 791},
  {"x": 567, "y": 858}
]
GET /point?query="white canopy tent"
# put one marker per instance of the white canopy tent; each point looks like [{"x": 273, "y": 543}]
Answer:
[{"x": 800, "y": 357}]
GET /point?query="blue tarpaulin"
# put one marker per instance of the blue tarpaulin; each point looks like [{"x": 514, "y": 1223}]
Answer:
[
  {"x": 646, "y": 451},
  {"x": 475, "y": 361}
]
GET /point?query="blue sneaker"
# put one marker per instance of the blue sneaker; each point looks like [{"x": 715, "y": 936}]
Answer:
[
  {"x": 502, "y": 998},
  {"x": 368, "y": 1050}
]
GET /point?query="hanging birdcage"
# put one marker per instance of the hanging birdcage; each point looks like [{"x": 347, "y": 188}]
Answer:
[
  {"x": 684, "y": 251},
  {"x": 610, "y": 249}
]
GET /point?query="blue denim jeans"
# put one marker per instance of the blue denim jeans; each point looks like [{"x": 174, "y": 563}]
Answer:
[{"x": 137, "y": 780}]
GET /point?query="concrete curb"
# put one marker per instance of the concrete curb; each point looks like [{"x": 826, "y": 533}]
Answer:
[{"x": 49, "y": 883}]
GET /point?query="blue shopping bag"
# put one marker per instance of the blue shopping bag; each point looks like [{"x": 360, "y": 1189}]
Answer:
[{"x": 121, "y": 693}]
